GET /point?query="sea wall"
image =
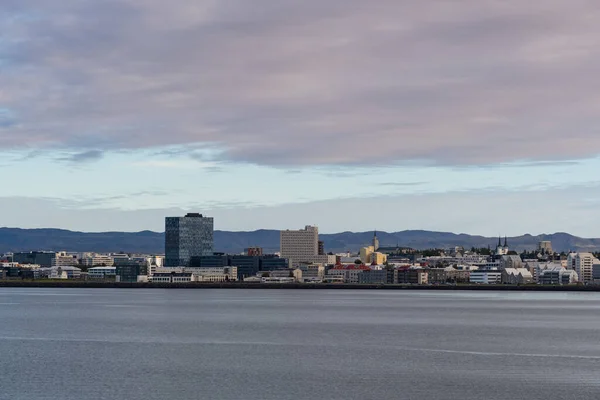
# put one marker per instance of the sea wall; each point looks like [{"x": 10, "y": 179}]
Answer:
[{"x": 243, "y": 285}]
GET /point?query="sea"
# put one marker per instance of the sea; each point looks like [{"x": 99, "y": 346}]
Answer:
[{"x": 184, "y": 344}]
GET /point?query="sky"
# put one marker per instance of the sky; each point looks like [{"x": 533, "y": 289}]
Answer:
[{"x": 467, "y": 116}]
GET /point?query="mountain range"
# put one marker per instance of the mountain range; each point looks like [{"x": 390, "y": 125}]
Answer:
[{"x": 15, "y": 239}]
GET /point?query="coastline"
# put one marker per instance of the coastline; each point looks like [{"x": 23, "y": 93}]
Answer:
[{"x": 297, "y": 286}]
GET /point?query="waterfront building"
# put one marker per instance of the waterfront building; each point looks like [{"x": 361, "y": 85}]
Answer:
[
  {"x": 536, "y": 268},
  {"x": 312, "y": 272},
  {"x": 223, "y": 274},
  {"x": 349, "y": 272},
  {"x": 246, "y": 265},
  {"x": 373, "y": 277},
  {"x": 42, "y": 258},
  {"x": 582, "y": 263},
  {"x": 173, "y": 277},
  {"x": 187, "y": 237},
  {"x": 294, "y": 274},
  {"x": 557, "y": 275},
  {"x": 60, "y": 272},
  {"x": 102, "y": 272},
  {"x": 486, "y": 277},
  {"x": 130, "y": 272},
  {"x": 411, "y": 275},
  {"x": 517, "y": 276}
]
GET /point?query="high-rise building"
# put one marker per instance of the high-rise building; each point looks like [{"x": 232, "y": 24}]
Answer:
[
  {"x": 300, "y": 246},
  {"x": 583, "y": 264},
  {"x": 187, "y": 237}
]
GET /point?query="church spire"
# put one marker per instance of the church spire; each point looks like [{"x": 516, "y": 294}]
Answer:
[
  {"x": 505, "y": 242},
  {"x": 499, "y": 241}
]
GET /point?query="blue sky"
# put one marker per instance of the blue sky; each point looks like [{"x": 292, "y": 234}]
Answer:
[{"x": 473, "y": 116}]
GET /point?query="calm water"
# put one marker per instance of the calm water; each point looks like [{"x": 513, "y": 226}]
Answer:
[{"x": 96, "y": 344}]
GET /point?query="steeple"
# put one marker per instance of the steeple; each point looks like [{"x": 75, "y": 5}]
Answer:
[
  {"x": 505, "y": 242},
  {"x": 499, "y": 242},
  {"x": 375, "y": 241}
]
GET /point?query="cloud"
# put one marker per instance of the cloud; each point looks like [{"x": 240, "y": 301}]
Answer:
[
  {"x": 83, "y": 157},
  {"x": 287, "y": 83},
  {"x": 512, "y": 213}
]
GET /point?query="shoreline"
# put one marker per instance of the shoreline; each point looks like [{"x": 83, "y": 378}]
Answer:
[{"x": 296, "y": 286}]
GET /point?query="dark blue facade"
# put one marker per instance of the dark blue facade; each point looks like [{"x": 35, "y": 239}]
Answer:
[{"x": 246, "y": 265}]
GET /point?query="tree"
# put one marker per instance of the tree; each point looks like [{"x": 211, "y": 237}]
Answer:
[{"x": 357, "y": 262}]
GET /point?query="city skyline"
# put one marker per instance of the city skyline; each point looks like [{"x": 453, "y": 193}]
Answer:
[{"x": 479, "y": 117}]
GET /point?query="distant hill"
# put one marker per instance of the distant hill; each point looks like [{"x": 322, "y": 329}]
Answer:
[{"x": 14, "y": 239}]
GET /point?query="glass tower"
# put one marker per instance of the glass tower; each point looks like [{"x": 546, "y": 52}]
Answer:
[{"x": 187, "y": 237}]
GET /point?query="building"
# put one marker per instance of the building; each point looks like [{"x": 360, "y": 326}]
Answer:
[
  {"x": 254, "y": 251},
  {"x": 173, "y": 277},
  {"x": 60, "y": 272},
  {"x": 485, "y": 277},
  {"x": 511, "y": 262},
  {"x": 62, "y": 259},
  {"x": 375, "y": 243},
  {"x": 582, "y": 263},
  {"x": 557, "y": 275},
  {"x": 350, "y": 273},
  {"x": 93, "y": 260},
  {"x": 545, "y": 247},
  {"x": 500, "y": 249},
  {"x": 596, "y": 273},
  {"x": 300, "y": 246},
  {"x": 321, "y": 249},
  {"x": 130, "y": 272},
  {"x": 42, "y": 258},
  {"x": 365, "y": 254},
  {"x": 411, "y": 275},
  {"x": 224, "y": 274},
  {"x": 247, "y": 266},
  {"x": 368, "y": 255},
  {"x": 187, "y": 237},
  {"x": 312, "y": 272},
  {"x": 373, "y": 277},
  {"x": 102, "y": 273},
  {"x": 517, "y": 276}
]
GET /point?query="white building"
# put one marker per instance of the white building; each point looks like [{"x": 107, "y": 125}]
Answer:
[
  {"x": 557, "y": 275},
  {"x": 224, "y": 274},
  {"x": 102, "y": 272},
  {"x": 511, "y": 261},
  {"x": 582, "y": 263},
  {"x": 66, "y": 272},
  {"x": 302, "y": 246},
  {"x": 517, "y": 276},
  {"x": 536, "y": 268},
  {"x": 63, "y": 259},
  {"x": 92, "y": 259},
  {"x": 485, "y": 277},
  {"x": 312, "y": 272}
]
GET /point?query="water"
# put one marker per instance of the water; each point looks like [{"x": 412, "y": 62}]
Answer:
[{"x": 80, "y": 344}]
